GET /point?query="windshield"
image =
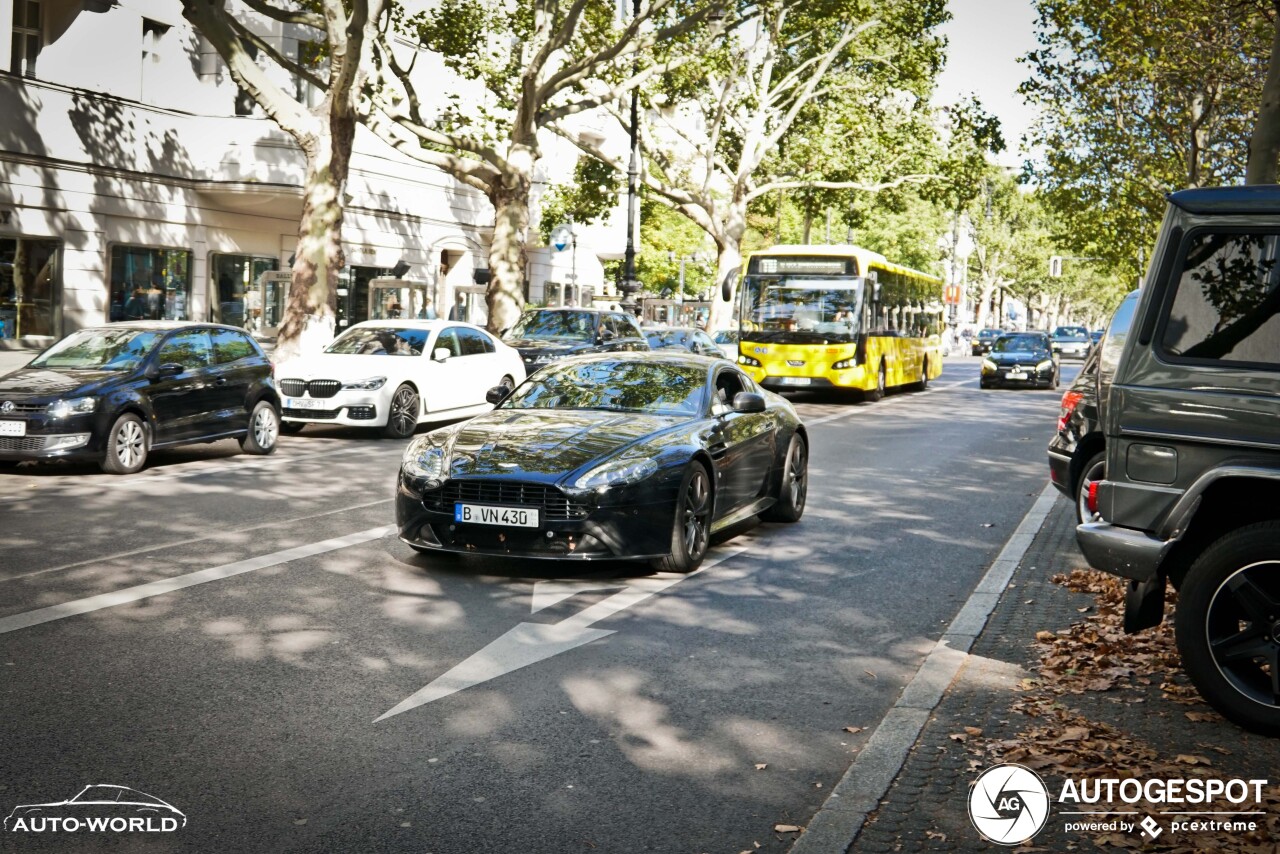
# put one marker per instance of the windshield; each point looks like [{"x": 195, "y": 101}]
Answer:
[
  {"x": 803, "y": 311},
  {"x": 652, "y": 387},
  {"x": 97, "y": 793},
  {"x": 1018, "y": 343},
  {"x": 380, "y": 341},
  {"x": 556, "y": 326},
  {"x": 1071, "y": 332},
  {"x": 99, "y": 350},
  {"x": 990, "y": 333}
]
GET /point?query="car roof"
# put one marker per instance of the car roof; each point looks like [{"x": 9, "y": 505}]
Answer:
[
  {"x": 1258, "y": 198},
  {"x": 680, "y": 357},
  {"x": 657, "y": 330},
  {"x": 407, "y": 323},
  {"x": 165, "y": 325}
]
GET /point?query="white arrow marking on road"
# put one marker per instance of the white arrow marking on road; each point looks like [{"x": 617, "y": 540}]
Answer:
[{"x": 529, "y": 643}]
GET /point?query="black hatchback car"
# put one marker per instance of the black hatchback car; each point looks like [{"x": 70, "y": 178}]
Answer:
[
  {"x": 545, "y": 335},
  {"x": 113, "y": 393}
]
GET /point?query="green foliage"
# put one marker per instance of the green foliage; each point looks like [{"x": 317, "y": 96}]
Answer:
[
  {"x": 1137, "y": 100},
  {"x": 665, "y": 235},
  {"x": 592, "y": 194}
]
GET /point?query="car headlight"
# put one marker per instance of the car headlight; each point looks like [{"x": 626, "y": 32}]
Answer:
[
  {"x": 78, "y": 406},
  {"x": 845, "y": 364},
  {"x": 747, "y": 360},
  {"x": 616, "y": 473},
  {"x": 370, "y": 384},
  {"x": 1045, "y": 365},
  {"x": 988, "y": 366},
  {"x": 423, "y": 460}
]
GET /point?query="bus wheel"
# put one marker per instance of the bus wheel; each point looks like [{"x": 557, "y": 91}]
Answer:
[
  {"x": 878, "y": 392},
  {"x": 923, "y": 384}
]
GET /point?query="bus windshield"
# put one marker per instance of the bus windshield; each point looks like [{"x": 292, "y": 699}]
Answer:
[{"x": 801, "y": 311}]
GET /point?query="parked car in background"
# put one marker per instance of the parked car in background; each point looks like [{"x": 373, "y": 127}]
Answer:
[
  {"x": 981, "y": 343},
  {"x": 684, "y": 338},
  {"x": 1025, "y": 358},
  {"x": 115, "y": 393},
  {"x": 607, "y": 456},
  {"x": 545, "y": 335},
  {"x": 727, "y": 340},
  {"x": 394, "y": 374},
  {"x": 1071, "y": 342},
  {"x": 1192, "y": 428},
  {"x": 1077, "y": 451}
]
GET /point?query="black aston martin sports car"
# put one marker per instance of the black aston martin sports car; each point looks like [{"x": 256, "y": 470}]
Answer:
[{"x": 612, "y": 455}]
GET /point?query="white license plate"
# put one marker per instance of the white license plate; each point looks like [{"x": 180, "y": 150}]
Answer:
[
  {"x": 13, "y": 428},
  {"x": 303, "y": 403},
  {"x": 488, "y": 514},
  {"x": 794, "y": 380},
  {"x": 1017, "y": 376}
]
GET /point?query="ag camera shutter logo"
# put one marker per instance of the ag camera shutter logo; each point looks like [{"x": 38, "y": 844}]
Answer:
[{"x": 1009, "y": 803}]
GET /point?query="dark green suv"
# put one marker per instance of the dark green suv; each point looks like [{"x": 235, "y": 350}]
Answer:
[{"x": 1192, "y": 424}]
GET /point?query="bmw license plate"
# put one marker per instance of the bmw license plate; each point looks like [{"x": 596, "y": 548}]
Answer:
[
  {"x": 1017, "y": 375},
  {"x": 303, "y": 403},
  {"x": 488, "y": 514},
  {"x": 13, "y": 428},
  {"x": 794, "y": 380}
]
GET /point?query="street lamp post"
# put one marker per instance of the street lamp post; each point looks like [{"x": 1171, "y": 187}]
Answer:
[{"x": 629, "y": 285}]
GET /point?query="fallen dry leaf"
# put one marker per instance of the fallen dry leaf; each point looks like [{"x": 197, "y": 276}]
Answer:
[
  {"x": 1189, "y": 759},
  {"x": 869, "y": 673},
  {"x": 760, "y": 766},
  {"x": 959, "y": 736},
  {"x": 934, "y": 834},
  {"x": 854, "y": 729},
  {"x": 973, "y": 730},
  {"x": 1201, "y": 717},
  {"x": 1046, "y": 637},
  {"x": 786, "y": 828}
]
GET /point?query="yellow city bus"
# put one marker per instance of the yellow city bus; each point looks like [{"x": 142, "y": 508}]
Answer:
[{"x": 838, "y": 317}]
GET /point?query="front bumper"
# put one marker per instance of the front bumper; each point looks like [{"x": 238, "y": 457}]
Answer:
[
  {"x": 1073, "y": 351},
  {"x": 1060, "y": 472},
  {"x": 49, "y": 446},
  {"x": 349, "y": 407},
  {"x": 610, "y": 532},
  {"x": 1034, "y": 375},
  {"x": 1121, "y": 551}
]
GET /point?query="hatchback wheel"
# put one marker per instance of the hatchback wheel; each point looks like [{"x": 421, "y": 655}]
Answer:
[
  {"x": 402, "y": 420},
  {"x": 1228, "y": 626},
  {"x": 264, "y": 430},
  {"x": 127, "y": 446}
]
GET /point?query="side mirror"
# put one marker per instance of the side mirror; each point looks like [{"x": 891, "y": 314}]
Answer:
[
  {"x": 440, "y": 354},
  {"x": 726, "y": 286},
  {"x": 607, "y": 335},
  {"x": 168, "y": 369},
  {"x": 748, "y": 401},
  {"x": 497, "y": 394}
]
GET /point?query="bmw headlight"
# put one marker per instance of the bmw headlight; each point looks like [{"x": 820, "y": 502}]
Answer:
[
  {"x": 78, "y": 406},
  {"x": 423, "y": 460},
  {"x": 370, "y": 384},
  {"x": 616, "y": 473},
  {"x": 1045, "y": 365},
  {"x": 988, "y": 366}
]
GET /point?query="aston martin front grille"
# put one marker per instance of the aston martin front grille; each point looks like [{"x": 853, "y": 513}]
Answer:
[{"x": 556, "y": 506}]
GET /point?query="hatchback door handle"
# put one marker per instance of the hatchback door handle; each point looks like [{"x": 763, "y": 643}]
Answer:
[{"x": 220, "y": 381}]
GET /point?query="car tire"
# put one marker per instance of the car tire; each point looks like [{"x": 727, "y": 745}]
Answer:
[
  {"x": 264, "y": 430},
  {"x": 292, "y": 428},
  {"x": 691, "y": 526},
  {"x": 793, "y": 488},
  {"x": 1057, "y": 377},
  {"x": 127, "y": 445},
  {"x": 508, "y": 382},
  {"x": 923, "y": 384},
  {"x": 1094, "y": 469},
  {"x": 402, "y": 415},
  {"x": 1235, "y": 582},
  {"x": 877, "y": 393}
]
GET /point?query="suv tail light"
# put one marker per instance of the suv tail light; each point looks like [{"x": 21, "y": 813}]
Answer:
[
  {"x": 1070, "y": 400},
  {"x": 1092, "y": 499}
]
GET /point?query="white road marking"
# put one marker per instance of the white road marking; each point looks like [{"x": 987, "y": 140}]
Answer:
[
  {"x": 529, "y": 643},
  {"x": 168, "y": 585}
]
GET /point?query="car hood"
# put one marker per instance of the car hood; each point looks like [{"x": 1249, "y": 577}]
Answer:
[
  {"x": 41, "y": 382},
  {"x": 542, "y": 345},
  {"x": 546, "y": 444},
  {"x": 1019, "y": 356},
  {"x": 345, "y": 366}
]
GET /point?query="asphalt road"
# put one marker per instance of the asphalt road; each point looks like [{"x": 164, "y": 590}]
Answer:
[{"x": 255, "y": 701}]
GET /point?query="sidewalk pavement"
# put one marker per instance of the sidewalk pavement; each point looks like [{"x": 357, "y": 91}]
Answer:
[
  {"x": 1146, "y": 723},
  {"x": 11, "y": 360}
]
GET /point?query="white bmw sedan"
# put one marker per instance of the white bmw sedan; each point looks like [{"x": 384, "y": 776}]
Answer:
[{"x": 395, "y": 373}]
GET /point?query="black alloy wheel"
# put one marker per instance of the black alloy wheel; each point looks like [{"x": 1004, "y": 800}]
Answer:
[
  {"x": 1228, "y": 626},
  {"x": 691, "y": 529},
  {"x": 127, "y": 445},
  {"x": 264, "y": 430},
  {"x": 793, "y": 489},
  {"x": 1093, "y": 471},
  {"x": 402, "y": 420}
]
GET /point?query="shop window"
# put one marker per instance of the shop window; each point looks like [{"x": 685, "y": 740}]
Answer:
[
  {"x": 231, "y": 277},
  {"x": 149, "y": 284},
  {"x": 27, "y": 37},
  {"x": 30, "y": 287}
]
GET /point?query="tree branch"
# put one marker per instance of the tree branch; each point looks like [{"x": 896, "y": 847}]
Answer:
[{"x": 300, "y": 17}]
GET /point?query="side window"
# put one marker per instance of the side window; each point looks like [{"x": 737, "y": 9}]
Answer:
[
  {"x": 704, "y": 341},
  {"x": 231, "y": 346},
  {"x": 1226, "y": 306},
  {"x": 1117, "y": 332},
  {"x": 473, "y": 343},
  {"x": 627, "y": 327},
  {"x": 448, "y": 339},
  {"x": 610, "y": 324},
  {"x": 728, "y": 384},
  {"x": 189, "y": 349}
]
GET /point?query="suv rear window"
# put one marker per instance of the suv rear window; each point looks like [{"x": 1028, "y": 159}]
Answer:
[{"x": 1226, "y": 306}]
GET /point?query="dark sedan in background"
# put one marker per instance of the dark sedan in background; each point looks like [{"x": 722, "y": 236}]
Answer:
[
  {"x": 1022, "y": 358},
  {"x": 628, "y": 455},
  {"x": 113, "y": 393},
  {"x": 545, "y": 335},
  {"x": 684, "y": 338},
  {"x": 982, "y": 342}
]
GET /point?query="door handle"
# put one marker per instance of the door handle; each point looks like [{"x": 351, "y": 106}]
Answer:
[
  {"x": 220, "y": 381},
  {"x": 717, "y": 450}
]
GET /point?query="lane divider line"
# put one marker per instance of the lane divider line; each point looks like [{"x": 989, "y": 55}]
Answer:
[
  {"x": 168, "y": 585},
  {"x": 838, "y": 822}
]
